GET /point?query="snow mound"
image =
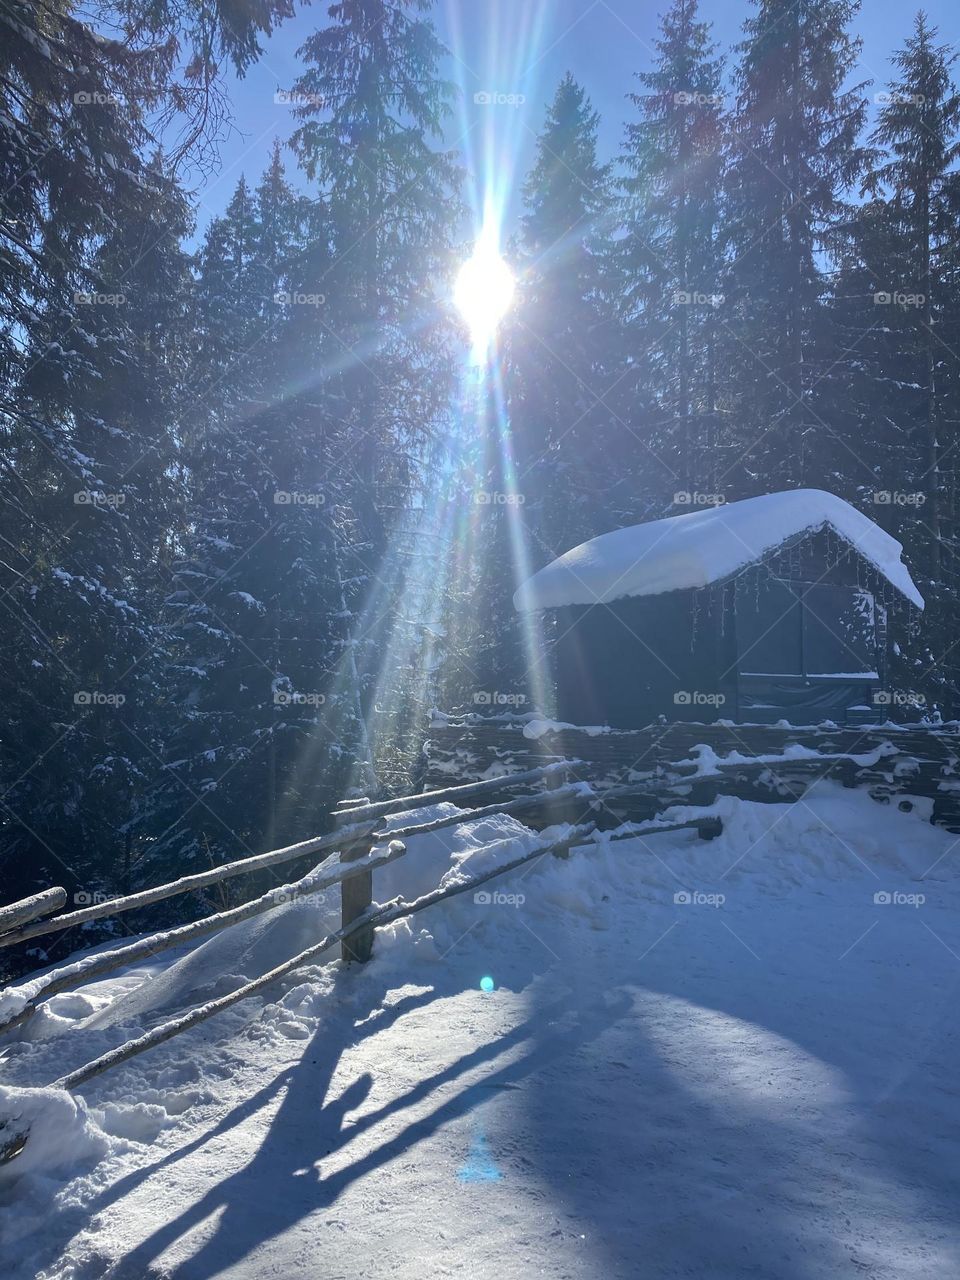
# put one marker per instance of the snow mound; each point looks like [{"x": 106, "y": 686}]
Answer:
[
  {"x": 707, "y": 546},
  {"x": 61, "y": 1133},
  {"x": 224, "y": 961},
  {"x": 537, "y": 727},
  {"x": 432, "y": 856}
]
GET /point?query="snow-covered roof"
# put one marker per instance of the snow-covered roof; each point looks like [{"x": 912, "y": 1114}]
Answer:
[{"x": 701, "y": 547}]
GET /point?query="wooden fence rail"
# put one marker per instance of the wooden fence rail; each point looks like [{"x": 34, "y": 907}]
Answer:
[
  {"x": 357, "y": 823},
  {"x": 353, "y": 873},
  {"x": 382, "y": 915},
  {"x": 622, "y": 775},
  {"x": 20, "y": 913},
  {"x": 913, "y": 760},
  {"x": 97, "y": 966},
  {"x": 543, "y": 804},
  {"x": 103, "y": 962},
  {"x": 454, "y": 794},
  {"x": 186, "y": 884}
]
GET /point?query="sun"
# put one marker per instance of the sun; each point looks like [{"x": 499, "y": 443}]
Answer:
[{"x": 483, "y": 291}]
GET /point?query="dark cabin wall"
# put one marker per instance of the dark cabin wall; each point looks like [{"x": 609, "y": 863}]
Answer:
[
  {"x": 796, "y": 661},
  {"x": 827, "y": 635},
  {"x": 681, "y": 655},
  {"x": 626, "y": 663}
]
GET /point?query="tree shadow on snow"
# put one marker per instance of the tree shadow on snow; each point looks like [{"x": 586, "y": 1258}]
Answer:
[{"x": 284, "y": 1183}]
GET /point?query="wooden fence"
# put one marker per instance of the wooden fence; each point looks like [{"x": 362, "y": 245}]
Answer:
[
  {"x": 351, "y": 854},
  {"x": 587, "y": 780},
  {"x": 650, "y": 768}
]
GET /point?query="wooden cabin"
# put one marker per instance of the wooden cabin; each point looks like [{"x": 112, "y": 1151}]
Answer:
[{"x": 772, "y": 608}]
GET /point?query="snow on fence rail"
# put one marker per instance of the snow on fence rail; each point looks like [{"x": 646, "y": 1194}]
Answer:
[
  {"x": 575, "y": 837},
  {"x": 19, "y": 1002},
  {"x": 463, "y": 791},
  {"x": 622, "y": 777},
  {"x": 23, "y": 1001},
  {"x": 889, "y": 760},
  {"x": 370, "y": 919}
]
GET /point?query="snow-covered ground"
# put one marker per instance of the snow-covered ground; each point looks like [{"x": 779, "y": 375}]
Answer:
[{"x": 700, "y": 1059}]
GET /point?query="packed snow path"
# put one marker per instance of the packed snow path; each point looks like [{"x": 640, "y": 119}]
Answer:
[{"x": 763, "y": 1085}]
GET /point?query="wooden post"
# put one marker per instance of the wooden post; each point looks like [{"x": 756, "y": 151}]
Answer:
[
  {"x": 127, "y": 848},
  {"x": 356, "y": 895}
]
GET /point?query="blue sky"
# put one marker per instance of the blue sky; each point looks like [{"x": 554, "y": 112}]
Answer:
[{"x": 519, "y": 49}]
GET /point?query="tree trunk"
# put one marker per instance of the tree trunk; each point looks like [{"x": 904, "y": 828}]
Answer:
[{"x": 929, "y": 428}]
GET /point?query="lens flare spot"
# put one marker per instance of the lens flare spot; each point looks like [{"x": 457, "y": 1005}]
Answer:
[
  {"x": 487, "y": 983},
  {"x": 480, "y": 1165}
]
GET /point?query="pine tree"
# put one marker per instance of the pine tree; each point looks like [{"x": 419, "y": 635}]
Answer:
[
  {"x": 918, "y": 124},
  {"x": 125, "y": 418},
  {"x": 90, "y": 296},
  {"x": 559, "y": 337},
  {"x": 670, "y": 258},
  {"x": 537, "y": 465},
  {"x": 372, "y": 101},
  {"x": 372, "y": 105},
  {"x": 237, "y": 597},
  {"x": 86, "y": 398},
  {"x": 794, "y": 154},
  {"x": 898, "y": 326},
  {"x": 84, "y": 691}
]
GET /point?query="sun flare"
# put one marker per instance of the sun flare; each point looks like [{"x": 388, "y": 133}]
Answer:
[{"x": 483, "y": 291}]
